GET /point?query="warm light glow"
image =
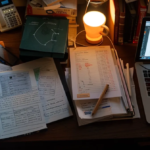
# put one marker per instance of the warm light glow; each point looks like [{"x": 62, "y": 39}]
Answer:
[
  {"x": 94, "y": 18},
  {"x": 94, "y": 24}
]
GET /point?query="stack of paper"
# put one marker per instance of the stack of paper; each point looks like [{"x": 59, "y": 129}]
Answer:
[
  {"x": 52, "y": 2},
  {"x": 72, "y": 31},
  {"x": 31, "y": 95},
  {"x": 91, "y": 69}
]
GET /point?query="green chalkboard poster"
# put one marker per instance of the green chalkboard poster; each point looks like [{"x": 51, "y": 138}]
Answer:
[{"x": 44, "y": 36}]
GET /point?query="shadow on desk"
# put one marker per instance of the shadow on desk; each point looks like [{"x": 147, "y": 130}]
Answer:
[{"x": 77, "y": 145}]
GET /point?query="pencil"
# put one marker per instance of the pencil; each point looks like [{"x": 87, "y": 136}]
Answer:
[
  {"x": 128, "y": 78},
  {"x": 100, "y": 99}
]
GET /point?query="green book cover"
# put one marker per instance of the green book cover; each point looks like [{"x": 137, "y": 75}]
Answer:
[{"x": 44, "y": 35}]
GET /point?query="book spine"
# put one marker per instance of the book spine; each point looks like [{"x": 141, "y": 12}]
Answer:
[
  {"x": 121, "y": 28},
  {"x": 136, "y": 23},
  {"x": 129, "y": 22},
  {"x": 60, "y": 12},
  {"x": 132, "y": 23},
  {"x": 148, "y": 7},
  {"x": 141, "y": 13},
  {"x": 64, "y": 11},
  {"x": 116, "y": 27},
  {"x": 72, "y": 19}
]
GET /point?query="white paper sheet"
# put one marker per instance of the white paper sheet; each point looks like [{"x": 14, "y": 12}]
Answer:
[
  {"x": 4, "y": 67},
  {"x": 20, "y": 107},
  {"x": 109, "y": 107},
  {"x": 91, "y": 69},
  {"x": 52, "y": 94}
]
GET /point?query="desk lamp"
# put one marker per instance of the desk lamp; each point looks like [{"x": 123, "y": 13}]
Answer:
[{"x": 94, "y": 23}]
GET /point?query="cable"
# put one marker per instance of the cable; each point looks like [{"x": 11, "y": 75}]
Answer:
[
  {"x": 113, "y": 46},
  {"x": 74, "y": 41},
  {"x": 87, "y": 6},
  {"x": 111, "y": 42}
]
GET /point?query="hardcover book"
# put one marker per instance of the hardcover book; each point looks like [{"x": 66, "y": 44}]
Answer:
[
  {"x": 116, "y": 28},
  {"x": 130, "y": 21},
  {"x": 142, "y": 10},
  {"x": 44, "y": 36},
  {"x": 121, "y": 21}
]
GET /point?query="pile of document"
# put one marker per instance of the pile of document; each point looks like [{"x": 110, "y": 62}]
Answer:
[
  {"x": 31, "y": 96},
  {"x": 54, "y": 4},
  {"x": 91, "y": 69},
  {"x": 59, "y": 8}
]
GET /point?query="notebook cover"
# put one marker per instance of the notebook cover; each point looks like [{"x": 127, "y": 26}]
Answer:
[{"x": 44, "y": 35}]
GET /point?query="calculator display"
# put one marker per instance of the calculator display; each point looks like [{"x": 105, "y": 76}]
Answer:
[{"x": 5, "y": 2}]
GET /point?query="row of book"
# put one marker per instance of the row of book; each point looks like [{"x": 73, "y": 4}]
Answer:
[{"x": 127, "y": 20}]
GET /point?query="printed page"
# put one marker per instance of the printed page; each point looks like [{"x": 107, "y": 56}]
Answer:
[
  {"x": 91, "y": 69},
  {"x": 4, "y": 67},
  {"x": 53, "y": 98},
  {"x": 109, "y": 107},
  {"x": 20, "y": 107},
  {"x": 85, "y": 108}
]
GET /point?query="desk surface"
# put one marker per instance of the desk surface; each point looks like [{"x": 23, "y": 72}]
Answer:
[{"x": 68, "y": 129}]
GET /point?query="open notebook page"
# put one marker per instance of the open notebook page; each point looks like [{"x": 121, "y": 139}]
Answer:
[
  {"x": 20, "y": 107},
  {"x": 53, "y": 98},
  {"x": 91, "y": 69}
]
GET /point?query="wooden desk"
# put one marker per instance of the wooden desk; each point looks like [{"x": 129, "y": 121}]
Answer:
[{"x": 68, "y": 129}]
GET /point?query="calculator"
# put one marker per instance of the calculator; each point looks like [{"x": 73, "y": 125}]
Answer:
[{"x": 9, "y": 17}]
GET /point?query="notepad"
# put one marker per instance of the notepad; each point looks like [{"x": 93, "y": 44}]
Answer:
[
  {"x": 91, "y": 69},
  {"x": 84, "y": 108}
]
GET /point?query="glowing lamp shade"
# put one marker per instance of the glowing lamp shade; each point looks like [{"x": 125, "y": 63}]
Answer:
[{"x": 94, "y": 23}]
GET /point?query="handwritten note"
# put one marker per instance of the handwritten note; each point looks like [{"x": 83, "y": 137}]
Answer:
[{"x": 91, "y": 69}]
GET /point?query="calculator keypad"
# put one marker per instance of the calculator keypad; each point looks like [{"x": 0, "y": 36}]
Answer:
[{"x": 11, "y": 16}]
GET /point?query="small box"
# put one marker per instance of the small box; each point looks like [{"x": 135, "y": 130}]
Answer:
[{"x": 69, "y": 9}]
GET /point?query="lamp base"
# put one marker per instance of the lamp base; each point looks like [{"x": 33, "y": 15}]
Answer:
[{"x": 94, "y": 40}]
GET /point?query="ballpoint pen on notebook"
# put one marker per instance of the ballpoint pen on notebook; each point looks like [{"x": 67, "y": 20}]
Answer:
[
  {"x": 124, "y": 83},
  {"x": 100, "y": 99}
]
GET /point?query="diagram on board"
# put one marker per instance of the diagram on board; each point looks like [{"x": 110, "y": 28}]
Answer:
[{"x": 47, "y": 30}]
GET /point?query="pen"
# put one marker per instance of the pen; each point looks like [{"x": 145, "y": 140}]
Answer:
[
  {"x": 122, "y": 65},
  {"x": 128, "y": 78},
  {"x": 100, "y": 99},
  {"x": 124, "y": 83},
  {"x": 125, "y": 102}
]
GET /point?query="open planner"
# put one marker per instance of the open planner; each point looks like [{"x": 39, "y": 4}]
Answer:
[
  {"x": 91, "y": 69},
  {"x": 31, "y": 95}
]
